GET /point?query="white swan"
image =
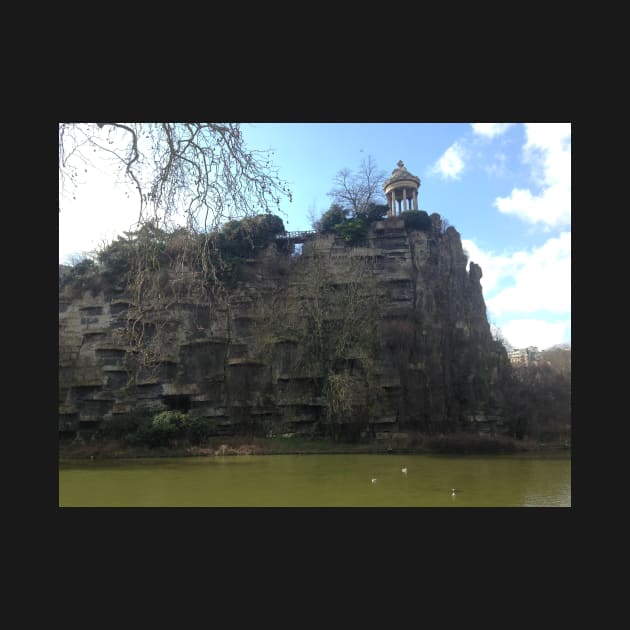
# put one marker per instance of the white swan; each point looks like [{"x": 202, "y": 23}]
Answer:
[{"x": 404, "y": 471}]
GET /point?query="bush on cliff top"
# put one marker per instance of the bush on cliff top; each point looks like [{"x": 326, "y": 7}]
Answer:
[{"x": 416, "y": 220}]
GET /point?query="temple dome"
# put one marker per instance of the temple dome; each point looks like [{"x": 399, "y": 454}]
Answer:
[{"x": 401, "y": 174}]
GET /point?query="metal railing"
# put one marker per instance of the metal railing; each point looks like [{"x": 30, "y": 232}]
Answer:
[{"x": 296, "y": 237}]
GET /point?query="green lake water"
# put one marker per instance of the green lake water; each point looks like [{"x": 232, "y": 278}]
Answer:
[{"x": 319, "y": 481}]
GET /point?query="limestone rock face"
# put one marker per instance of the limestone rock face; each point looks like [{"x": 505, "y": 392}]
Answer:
[{"x": 400, "y": 341}]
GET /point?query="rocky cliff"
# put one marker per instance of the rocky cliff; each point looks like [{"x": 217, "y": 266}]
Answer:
[{"x": 377, "y": 339}]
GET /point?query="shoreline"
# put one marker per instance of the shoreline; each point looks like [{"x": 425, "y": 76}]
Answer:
[{"x": 448, "y": 444}]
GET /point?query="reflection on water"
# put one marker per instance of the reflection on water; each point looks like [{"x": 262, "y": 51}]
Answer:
[{"x": 319, "y": 481}]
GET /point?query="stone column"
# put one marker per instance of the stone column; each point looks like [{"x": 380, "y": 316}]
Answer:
[
  {"x": 415, "y": 199},
  {"x": 393, "y": 203},
  {"x": 404, "y": 199}
]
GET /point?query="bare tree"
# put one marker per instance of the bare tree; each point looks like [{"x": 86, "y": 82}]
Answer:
[
  {"x": 331, "y": 312},
  {"x": 497, "y": 335},
  {"x": 356, "y": 191},
  {"x": 197, "y": 174},
  {"x": 202, "y": 171},
  {"x": 311, "y": 213}
]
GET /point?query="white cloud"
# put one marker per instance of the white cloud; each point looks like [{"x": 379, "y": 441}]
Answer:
[
  {"x": 540, "y": 285},
  {"x": 101, "y": 206},
  {"x": 548, "y": 152},
  {"x": 495, "y": 267},
  {"x": 490, "y": 130},
  {"x": 100, "y": 213},
  {"x": 541, "y": 278},
  {"x": 522, "y": 333},
  {"x": 451, "y": 164}
]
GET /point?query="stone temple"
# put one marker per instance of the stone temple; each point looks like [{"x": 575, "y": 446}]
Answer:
[{"x": 401, "y": 190}]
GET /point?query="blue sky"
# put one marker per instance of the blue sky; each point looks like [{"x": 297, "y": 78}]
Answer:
[{"x": 505, "y": 187}]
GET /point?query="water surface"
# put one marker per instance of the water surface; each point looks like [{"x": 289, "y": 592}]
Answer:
[{"x": 319, "y": 481}]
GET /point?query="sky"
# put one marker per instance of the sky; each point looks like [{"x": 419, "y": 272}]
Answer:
[{"x": 505, "y": 187}]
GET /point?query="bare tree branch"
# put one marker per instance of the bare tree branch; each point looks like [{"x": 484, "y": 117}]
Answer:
[
  {"x": 193, "y": 174},
  {"x": 356, "y": 191},
  {"x": 202, "y": 171}
]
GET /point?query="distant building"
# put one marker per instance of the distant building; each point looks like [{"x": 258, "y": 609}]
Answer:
[{"x": 524, "y": 356}]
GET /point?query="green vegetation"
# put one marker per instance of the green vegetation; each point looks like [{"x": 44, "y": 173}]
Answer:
[
  {"x": 154, "y": 249},
  {"x": 125, "y": 427},
  {"x": 81, "y": 277},
  {"x": 200, "y": 429},
  {"x": 416, "y": 220},
  {"x": 464, "y": 443},
  {"x": 375, "y": 212},
  {"x": 144, "y": 428},
  {"x": 353, "y": 231},
  {"x": 333, "y": 217},
  {"x": 353, "y": 228},
  {"x": 164, "y": 427},
  {"x": 457, "y": 443},
  {"x": 539, "y": 400},
  {"x": 238, "y": 240}
]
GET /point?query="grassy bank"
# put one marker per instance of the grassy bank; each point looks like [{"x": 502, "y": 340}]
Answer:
[{"x": 456, "y": 443}]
